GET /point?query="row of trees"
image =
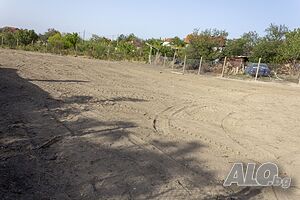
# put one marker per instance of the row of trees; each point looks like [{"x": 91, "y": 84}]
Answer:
[
  {"x": 14, "y": 37},
  {"x": 279, "y": 45}
]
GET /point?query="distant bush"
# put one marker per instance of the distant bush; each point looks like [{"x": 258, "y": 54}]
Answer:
[{"x": 279, "y": 45}]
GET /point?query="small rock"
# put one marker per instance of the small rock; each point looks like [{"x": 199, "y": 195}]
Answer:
[{"x": 109, "y": 103}]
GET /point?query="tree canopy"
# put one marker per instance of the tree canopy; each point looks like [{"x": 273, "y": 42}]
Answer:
[{"x": 278, "y": 45}]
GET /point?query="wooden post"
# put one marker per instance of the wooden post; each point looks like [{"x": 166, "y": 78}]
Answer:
[
  {"x": 150, "y": 53},
  {"x": 165, "y": 58},
  {"x": 184, "y": 63},
  {"x": 17, "y": 42},
  {"x": 242, "y": 66},
  {"x": 200, "y": 65},
  {"x": 156, "y": 57},
  {"x": 2, "y": 41},
  {"x": 298, "y": 70},
  {"x": 173, "y": 62},
  {"x": 224, "y": 64},
  {"x": 257, "y": 70},
  {"x": 108, "y": 51}
]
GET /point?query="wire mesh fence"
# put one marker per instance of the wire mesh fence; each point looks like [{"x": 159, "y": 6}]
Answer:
[
  {"x": 234, "y": 67},
  {"x": 285, "y": 72}
]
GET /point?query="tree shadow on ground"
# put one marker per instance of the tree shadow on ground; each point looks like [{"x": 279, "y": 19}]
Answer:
[{"x": 107, "y": 163}]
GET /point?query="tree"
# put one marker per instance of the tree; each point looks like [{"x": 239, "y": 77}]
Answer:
[
  {"x": 127, "y": 49},
  {"x": 251, "y": 39},
  {"x": 235, "y": 47},
  {"x": 269, "y": 47},
  {"x": 156, "y": 43},
  {"x": 243, "y": 45},
  {"x": 276, "y": 32},
  {"x": 177, "y": 42},
  {"x": 291, "y": 47},
  {"x": 208, "y": 43},
  {"x": 72, "y": 38},
  {"x": 266, "y": 50},
  {"x": 8, "y": 34},
  {"x": 9, "y": 39},
  {"x": 26, "y": 37},
  {"x": 44, "y": 37},
  {"x": 56, "y": 41},
  {"x": 99, "y": 46},
  {"x": 98, "y": 39}
]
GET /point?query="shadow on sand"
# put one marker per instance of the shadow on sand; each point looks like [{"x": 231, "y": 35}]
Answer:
[{"x": 92, "y": 159}]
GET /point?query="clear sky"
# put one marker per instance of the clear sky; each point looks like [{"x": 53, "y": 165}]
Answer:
[{"x": 151, "y": 18}]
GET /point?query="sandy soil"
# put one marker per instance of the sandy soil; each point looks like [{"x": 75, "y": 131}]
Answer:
[{"x": 76, "y": 128}]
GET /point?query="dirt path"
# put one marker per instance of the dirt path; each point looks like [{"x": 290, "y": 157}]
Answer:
[{"x": 75, "y": 128}]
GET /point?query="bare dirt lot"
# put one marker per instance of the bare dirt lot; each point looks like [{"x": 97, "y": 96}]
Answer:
[{"x": 76, "y": 128}]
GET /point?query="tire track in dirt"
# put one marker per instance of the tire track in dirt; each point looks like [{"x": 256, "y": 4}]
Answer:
[
  {"x": 169, "y": 113},
  {"x": 247, "y": 149},
  {"x": 163, "y": 122}
]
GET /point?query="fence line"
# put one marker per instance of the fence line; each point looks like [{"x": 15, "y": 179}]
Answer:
[{"x": 223, "y": 66}]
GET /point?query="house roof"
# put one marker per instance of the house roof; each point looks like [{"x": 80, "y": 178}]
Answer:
[{"x": 9, "y": 29}]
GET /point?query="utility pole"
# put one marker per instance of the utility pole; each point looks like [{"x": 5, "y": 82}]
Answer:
[
  {"x": 117, "y": 40},
  {"x": 83, "y": 37}
]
